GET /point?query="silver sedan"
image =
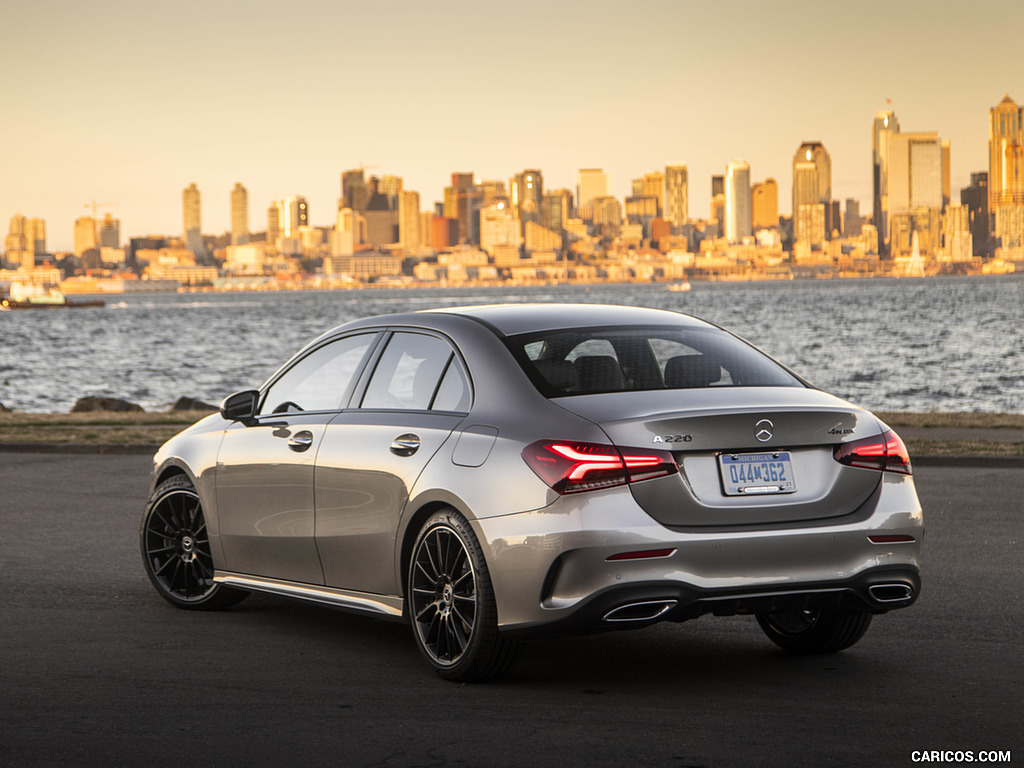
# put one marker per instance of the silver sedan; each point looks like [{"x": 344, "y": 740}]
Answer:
[{"x": 494, "y": 473}]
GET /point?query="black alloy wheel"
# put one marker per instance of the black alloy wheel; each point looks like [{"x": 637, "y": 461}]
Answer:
[
  {"x": 452, "y": 604},
  {"x": 176, "y": 549}
]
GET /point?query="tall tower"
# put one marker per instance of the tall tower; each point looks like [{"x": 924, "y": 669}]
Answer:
[
  {"x": 677, "y": 195},
  {"x": 239, "y": 215},
  {"x": 591, "y": 183},
  {"x": 192, "y": 219},
  {"x": 765, "y": 204},
  {"x": 355, "y": 192},
  {"x": 85, "y": 234},
  {"x": 1006, "y": 172},
  {"x": 884, "y": 127},
  {"x": 528, "y": 194},
  {"x": 914, "y": 191},
  {"x": 737, "y": 201},
  {"x": 410, "y": 235},
  {"x": 718, "y": 202},
  {"x": 812, "y": 187}
]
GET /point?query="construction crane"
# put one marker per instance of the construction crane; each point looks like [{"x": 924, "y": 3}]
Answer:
[{"x": 94, "y": 205}]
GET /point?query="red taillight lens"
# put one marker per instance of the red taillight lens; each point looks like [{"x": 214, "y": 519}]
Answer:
[
  {"x": 885, "y": 452},
  {"x": 570, "y": 467}
]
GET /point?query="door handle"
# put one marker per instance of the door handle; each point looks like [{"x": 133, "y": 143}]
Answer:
[
  {"x": 405, "y": 445},
  {"x": 301, "y": 440}
]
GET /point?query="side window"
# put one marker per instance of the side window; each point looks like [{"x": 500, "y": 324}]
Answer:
[
  {"x": 408, "y": 375},
  {"x": 453, "y": 394},
  {"x": 318, "y": 381}
]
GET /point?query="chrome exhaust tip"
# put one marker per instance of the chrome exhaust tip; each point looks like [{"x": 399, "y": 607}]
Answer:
[
  {"x": 890, "y": 593},
  {"x": 645, "y": 611}
]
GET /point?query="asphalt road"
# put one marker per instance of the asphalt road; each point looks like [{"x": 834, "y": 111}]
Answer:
[{"x": 95, "y": 669}]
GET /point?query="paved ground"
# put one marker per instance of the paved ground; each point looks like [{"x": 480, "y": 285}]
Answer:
[{"x": 95, "y": 669}]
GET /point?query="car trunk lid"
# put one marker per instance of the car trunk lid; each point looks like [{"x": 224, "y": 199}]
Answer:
[{"x": 770, "y": 430}]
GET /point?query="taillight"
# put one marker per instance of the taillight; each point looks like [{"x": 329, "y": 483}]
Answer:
[
  {"x": 571, "y": 467},
  {"x": 885, "y": 452}
]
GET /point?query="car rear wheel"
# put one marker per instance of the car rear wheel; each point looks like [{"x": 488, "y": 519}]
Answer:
[
  {"x": 451, "y": 603},
  {"x": 814, "y": 631},
  {"x": 176, "y": 549}
]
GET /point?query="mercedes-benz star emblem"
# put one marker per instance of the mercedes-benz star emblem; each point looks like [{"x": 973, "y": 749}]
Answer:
[{"x": 763, "y": 430}]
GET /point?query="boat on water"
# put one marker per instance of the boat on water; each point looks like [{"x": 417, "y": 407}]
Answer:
[
  {"x": 31, "y": 296},
  {"x": 680, "y": 287}
]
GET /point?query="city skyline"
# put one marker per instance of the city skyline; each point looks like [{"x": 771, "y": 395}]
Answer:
[{"x": 131, "y": 105}]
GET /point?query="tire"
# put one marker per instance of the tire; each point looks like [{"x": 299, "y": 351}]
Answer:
[
  {"x": 814, "y": 631},
  {"x": 176, "y": 550},
  {"x": 451, "y": 603}
]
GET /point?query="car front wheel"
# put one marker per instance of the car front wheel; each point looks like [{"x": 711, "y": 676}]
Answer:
[
  {"x": 451, "y": 603},
  {"x": 176, "y": 549},
  {"x": 814, "y": 631}
]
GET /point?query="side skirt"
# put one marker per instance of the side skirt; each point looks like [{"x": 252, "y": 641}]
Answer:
[{"x": 381, "y": 605}]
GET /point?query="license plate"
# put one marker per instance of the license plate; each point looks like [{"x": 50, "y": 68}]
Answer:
[{"x": 756, "y": 474}]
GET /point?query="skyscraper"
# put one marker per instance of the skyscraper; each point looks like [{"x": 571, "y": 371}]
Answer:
[
  {"x": 812, "y": 187},
  {"x": 677, "y": 195},
  {"x": 764, "y": 200},
  {"x": 239, "y": 215},
  {"x": 192, "y": 216},
  {"x": 556, "y": 209},
  {"x": 355, "y": 192},
  {"x": 718, "y": 202},
  {"x": 651, "y": 185},
  {"x": 915, "y": 186},
  {"x": 1006, "y": 172},
  {"x": 110, "y": 232},
  {"x": 884, "y": 126},
  {"x": 409, "y": 231},
  {"x": 527, "y": 194},
  {"x": 462, "y": 202},
  {"x": 737, "y": 201},
  {"x": 18, "y": 245},
  {"x": 591, "y": 183},
  {"x": 85, "y": 235},
  {"x": 975, "y": 197}
]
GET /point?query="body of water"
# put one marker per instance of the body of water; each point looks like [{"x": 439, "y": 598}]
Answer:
[{"x": 940, "y": 344}]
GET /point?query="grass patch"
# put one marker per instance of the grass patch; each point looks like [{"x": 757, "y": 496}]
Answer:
[
  {"x": 954, "y": 420},
  {"x": 95, "y": 428},
  {"x": 101, "y": 419},
  {"x": 963, "y": 448}
]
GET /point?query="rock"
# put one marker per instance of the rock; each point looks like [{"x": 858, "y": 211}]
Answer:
[
  {"x": 191, "y": 404},
  {"x": 4, "y": 408},
  {"x": 86, "y": 404}
]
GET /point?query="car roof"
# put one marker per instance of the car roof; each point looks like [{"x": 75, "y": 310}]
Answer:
[{"x": 512, "y": 319}]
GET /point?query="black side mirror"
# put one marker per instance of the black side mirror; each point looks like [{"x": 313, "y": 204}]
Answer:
[{"x": 241, "y": 406}]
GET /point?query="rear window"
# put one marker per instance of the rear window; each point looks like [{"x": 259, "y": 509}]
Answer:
[{"x": 590, "y": 361}]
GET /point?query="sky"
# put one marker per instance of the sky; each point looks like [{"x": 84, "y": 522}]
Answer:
[{"x": 127, "y": 103}]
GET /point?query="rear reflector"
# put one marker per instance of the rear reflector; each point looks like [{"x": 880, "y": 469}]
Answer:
[
  {"x": 571, "y": 467},
  {"x": 646, "y": 554},
  {"x": 891, "y": 539},
  {"x": 885, "y": 452}
]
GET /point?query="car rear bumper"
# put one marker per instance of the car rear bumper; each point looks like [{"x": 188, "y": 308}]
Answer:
[
  {"x": 551, "y": 571},
  {"x": 876, "y": 590}
]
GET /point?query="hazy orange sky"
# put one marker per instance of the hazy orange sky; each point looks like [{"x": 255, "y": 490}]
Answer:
[{"x": 129, "y": 102}]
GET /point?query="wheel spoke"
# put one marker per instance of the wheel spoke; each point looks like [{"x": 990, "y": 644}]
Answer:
[
  {"x": 468, "y": 625},
  {"x": 426, "y": 609},
  {"x": 431, "y": 577}
]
